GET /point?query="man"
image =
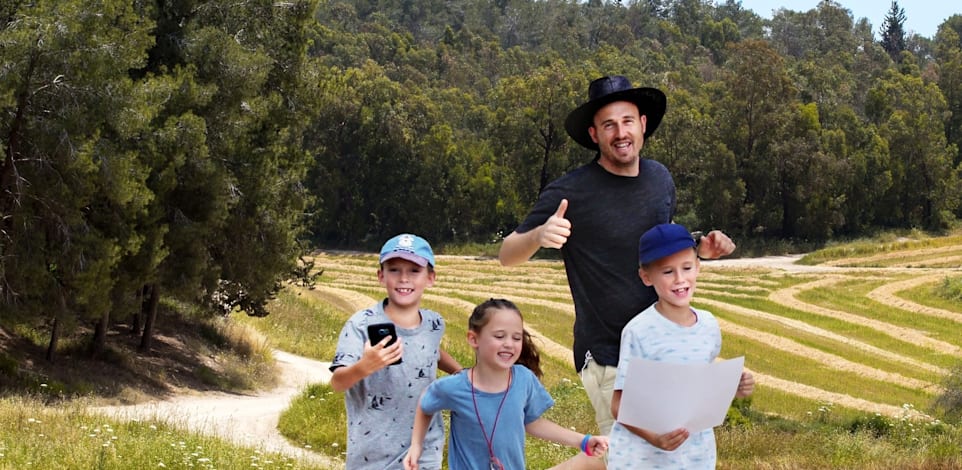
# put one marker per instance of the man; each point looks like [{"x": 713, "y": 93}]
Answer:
[{"x": 595, "y": 215}]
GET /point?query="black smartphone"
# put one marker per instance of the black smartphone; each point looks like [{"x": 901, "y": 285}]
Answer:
[{"x": 378, "y": 331}]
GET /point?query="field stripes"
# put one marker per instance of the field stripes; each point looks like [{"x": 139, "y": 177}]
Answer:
[
  {"x": 788, "y": 298},
  {"x": 802, "y": 326},
  {"x": 886, "y": 294},
  {"x": 829, "y": 397},
  {"x": 845, "y": 355}
]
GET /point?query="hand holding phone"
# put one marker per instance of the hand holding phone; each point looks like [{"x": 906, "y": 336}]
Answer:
[{"x": 378, "y": 331}]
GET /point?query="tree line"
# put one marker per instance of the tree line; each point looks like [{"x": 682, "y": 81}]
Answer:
[{"x": 193, "y": 149}]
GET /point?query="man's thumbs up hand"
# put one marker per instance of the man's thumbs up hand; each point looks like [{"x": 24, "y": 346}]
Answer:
[{"x": 556, "y": 230}]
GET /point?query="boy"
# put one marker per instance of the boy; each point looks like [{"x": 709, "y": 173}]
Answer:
[
  {"x": 670, "y": 331},
  {"x": 381, "y": 394}
]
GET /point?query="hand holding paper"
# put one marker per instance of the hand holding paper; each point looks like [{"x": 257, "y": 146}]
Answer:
[{"x": 661, "y": 397}]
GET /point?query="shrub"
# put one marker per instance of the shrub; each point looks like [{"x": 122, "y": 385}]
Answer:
[
  {"x": 950, "y": 289},
  {"x": 877, "y": 425},
  {"x": 950, "y": 401}
]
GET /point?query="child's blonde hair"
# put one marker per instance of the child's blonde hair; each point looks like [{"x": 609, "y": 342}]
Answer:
[{"x": 529, "y": 356}]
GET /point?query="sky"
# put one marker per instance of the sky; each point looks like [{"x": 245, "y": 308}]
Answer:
[{"x": 921, "y": 16}]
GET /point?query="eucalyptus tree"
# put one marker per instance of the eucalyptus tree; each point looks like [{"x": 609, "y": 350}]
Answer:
[
  {"x": 365, "y": 170},
  {"x": 809, "y": 195},
  {"x": 750, "y": 25},
  {"x": 863, "y": 174},
  {"x": 948, "y": 56},
  {"x": 529, "y": 125},
  {"x": 910, "y": 116},
  {"x": 711, "y": 193},
  {"x": 753, "y": 105}
]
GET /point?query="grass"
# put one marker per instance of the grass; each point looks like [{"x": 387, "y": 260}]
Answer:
[
  {"x": 45, "y": 416},
  {"x": 36, "y": 435},
  {"x": 778, "y": 429},
  {"x": 848, "y": 329},
  {"x": 888, "y": 242},
  {"x": 774, "y": 429}
]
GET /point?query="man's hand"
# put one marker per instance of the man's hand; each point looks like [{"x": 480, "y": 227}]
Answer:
[
  {"x": 715, "y": 245},
  {"x": 555, "y": 231}
]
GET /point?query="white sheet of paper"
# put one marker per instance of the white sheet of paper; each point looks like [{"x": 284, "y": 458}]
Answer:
[{"x": 662, "y": 397}]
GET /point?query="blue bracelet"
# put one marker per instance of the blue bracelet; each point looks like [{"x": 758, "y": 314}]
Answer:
[{"x": 584, "y": 445}]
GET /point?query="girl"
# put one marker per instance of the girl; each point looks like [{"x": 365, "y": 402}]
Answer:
[{"x": 495, "y": 402}]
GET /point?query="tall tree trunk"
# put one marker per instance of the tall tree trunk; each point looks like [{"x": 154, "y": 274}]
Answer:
[
  {"x": 54, "y": 340},
  {"x": 57, "y": 330},
  {"x": 99, "y": 342},
  {"x": 142, "y": 313},
  {"x": 151, "y": 298},
  {"x": 547, "y": 137}
]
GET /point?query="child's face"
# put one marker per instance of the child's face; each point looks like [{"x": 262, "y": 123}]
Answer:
[
  {"x": 673, "y": 277},
  {"x": 405, "y": 281},
  {"x": 499, "y": 342}
]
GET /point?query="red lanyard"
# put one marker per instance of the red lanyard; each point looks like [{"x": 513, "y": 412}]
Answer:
[{"x": 495, "y": 463}]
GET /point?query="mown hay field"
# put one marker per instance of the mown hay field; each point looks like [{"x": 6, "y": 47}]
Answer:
[{"x": 865, "y": 334}]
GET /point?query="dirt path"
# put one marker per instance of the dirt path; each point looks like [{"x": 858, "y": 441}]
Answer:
[{"x": 249, "y": 420}]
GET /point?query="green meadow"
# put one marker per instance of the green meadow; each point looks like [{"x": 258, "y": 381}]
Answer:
[
  {"x": 855, "y": 350},
  {"x": 852, "y": 350}
]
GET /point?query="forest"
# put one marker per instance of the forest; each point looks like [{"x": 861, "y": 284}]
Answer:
[{"x": 196, "y": 149}]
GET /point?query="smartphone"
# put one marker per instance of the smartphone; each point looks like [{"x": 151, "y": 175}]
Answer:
[{"x": 378, "y": 331}]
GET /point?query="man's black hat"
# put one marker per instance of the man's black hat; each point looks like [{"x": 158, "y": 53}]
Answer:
[{"x": 651, "y": 102}]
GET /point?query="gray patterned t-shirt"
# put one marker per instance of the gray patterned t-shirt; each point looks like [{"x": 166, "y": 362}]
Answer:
[{"x": 380, "y": 408}]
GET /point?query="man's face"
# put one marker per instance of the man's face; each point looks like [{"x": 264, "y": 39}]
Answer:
[{"x": 619, "y": 131}]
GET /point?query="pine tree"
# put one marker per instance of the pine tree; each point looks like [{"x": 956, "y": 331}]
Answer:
[{"x": 893, "y": 31}]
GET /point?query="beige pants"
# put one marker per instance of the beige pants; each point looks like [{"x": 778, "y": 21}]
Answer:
[{"x": 599, "y": 383}]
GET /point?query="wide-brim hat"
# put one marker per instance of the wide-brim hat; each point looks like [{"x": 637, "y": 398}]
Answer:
[{"x": 651, "y": 102}]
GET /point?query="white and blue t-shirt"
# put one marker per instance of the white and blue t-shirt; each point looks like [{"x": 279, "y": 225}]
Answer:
[{"x": 653, "y": 337}]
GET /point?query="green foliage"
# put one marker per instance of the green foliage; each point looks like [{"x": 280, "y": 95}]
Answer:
[
  {"x": 949, "y": 401},
  {"x": 877, "y": 425},
  {"x": 739, "y": 413},
  {"x": 190, "y": 145},
  {"x": 132, "y": 161},
  {"x": 950, "y": 288}
]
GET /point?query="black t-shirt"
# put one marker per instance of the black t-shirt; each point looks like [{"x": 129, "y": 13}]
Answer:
[{"x": 608, "y": 215}]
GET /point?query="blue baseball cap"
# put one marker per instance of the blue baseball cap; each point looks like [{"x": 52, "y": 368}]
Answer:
[
  {"x": 410, "y": 247},
  {"x": 663, "y": 240}
]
